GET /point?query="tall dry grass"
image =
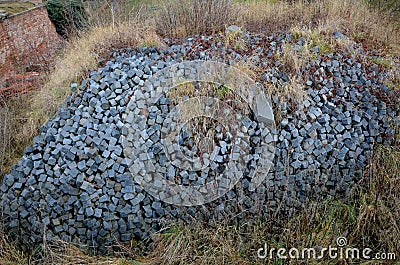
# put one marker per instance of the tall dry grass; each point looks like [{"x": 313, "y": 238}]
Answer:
[
  {"x": 18, "y": 129},
  {"x": 109, "y": 12},
  {"x": 354, "y": 18},
  {"x": 82, "y": 55},
  {"x": 57, "y": 253},
  {"x": 370, "y": 219},
  {"x": 184, "y": 18},
  {"x": 378, "y": 222}
]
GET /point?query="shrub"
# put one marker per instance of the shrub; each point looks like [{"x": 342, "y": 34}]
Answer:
[
  {"x": 183, "y": 18},
  {"x": 68, "y": 16}
]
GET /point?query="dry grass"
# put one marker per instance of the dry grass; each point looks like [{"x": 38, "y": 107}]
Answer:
[
  {"x": 379, "y": 220},
  {"x": 370, "y": 219},
  {"x": 10, "y": 254},
  {"x": 59, "y": 253},
  {"x": 13, "y": 8},
  {"x": 198, "y": 244},
  {"x": 62, "y": 253},
  {"x": 20, "y": 127},
  {"x": 294, "y": 60},
  {"x": 105, "y": 13},
  {"x": 274, "y": 16},
  {"x": 293, "y": 91},
  {"x": 184, "y": 18},
  {"x": 354, "y": 18},
  {"x": 83, "y": 54},
  {"x": 192, "y": 100}
]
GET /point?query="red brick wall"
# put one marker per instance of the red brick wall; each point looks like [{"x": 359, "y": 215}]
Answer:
[
  {"x": 27, "y": 39},
  {"x": 5, "y": 49}
]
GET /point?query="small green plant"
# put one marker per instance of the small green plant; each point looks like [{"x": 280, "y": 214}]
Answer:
[
  {"x": 171, "y": 232},
  {"x": 359, "y": 36},
  {"x": 384, "y": 62},
  {"x": 324, "y": 47},
  {"x": 313, "y": 38},
  {"x": 222, "y": 92},
  {"x": 234, "y": 38},
  {"x": 128, "y": 262}
]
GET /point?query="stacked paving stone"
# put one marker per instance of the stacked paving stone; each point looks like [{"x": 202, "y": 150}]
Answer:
[
  {"x": 74, "y": 182},
  {"x": 153, "y": 137}
]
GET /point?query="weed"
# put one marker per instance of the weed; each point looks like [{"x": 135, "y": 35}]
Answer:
[
  {"x": 235, "y": 39},
  {"x": 177, "y": 19},
  {"x": 383, "y": 62},
  {"x": 222, "y": 92}
]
